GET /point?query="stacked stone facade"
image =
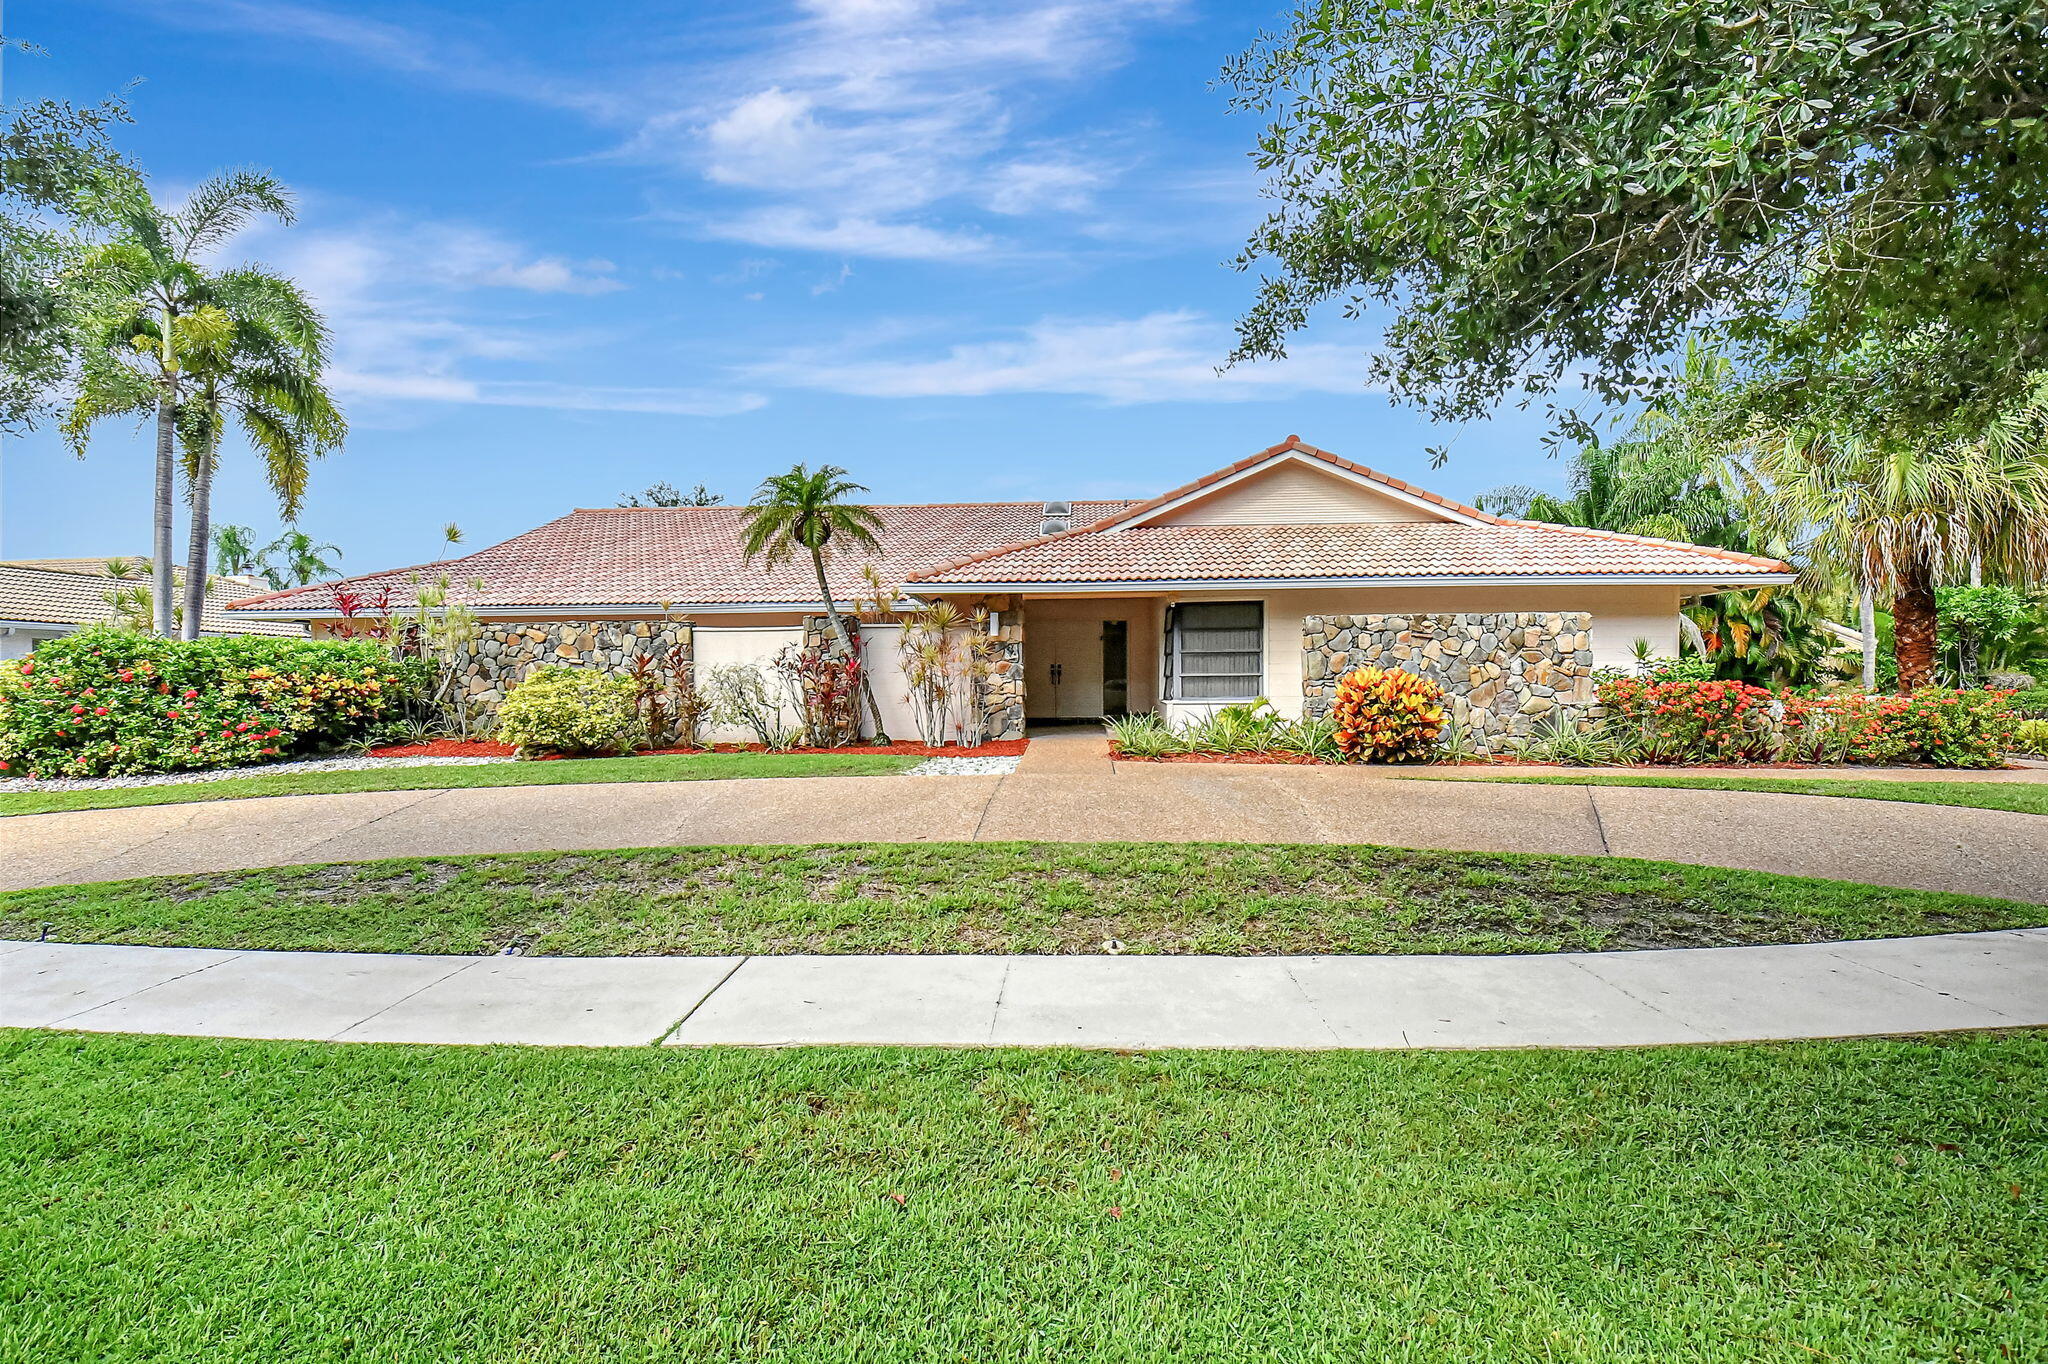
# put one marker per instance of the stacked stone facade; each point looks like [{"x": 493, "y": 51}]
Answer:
[
  {"x": 1505, "y": 674},
  {"x": 507, "y": 651},
  {"x": 1002, "y": 695}
]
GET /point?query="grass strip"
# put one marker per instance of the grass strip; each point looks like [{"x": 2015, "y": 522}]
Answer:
[
  {"x": 1237, "y": 899},
  {"x": 203, "y": 1200},
  {"x": 567, "y": 772},
  {"x": 2025, "y": 797}
]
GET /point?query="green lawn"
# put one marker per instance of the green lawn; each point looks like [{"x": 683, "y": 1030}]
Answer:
[
  {"x": 568, "y": 772},
  {"x": 991, "y": 897},
  {"x": 2026, "y": 797},
  {"x": 198, "y": 1200}
]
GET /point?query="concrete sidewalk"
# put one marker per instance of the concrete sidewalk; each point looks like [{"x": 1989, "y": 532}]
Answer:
[
  {"x": 1904, "y": 985},
  {"x": 1928, "y": 847}
]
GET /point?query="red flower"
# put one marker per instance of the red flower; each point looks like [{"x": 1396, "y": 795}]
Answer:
[
  {"x": 190, "y": 694},
  {"x": 99, "y": 710},
  {"x": 172, "y": 714}
]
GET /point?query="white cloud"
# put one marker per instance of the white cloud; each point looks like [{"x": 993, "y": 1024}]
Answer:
[
  {"x": 1160, "y": 357},
  {"x": 1040, "y": 186},
  {"x": 797, "y": 229}
]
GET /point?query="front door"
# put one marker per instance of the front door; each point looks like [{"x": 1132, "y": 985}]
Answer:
[{"x": 1116, "y": 667}]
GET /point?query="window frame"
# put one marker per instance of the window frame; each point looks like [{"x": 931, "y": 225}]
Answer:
[{"x": 1177, "y": 674}]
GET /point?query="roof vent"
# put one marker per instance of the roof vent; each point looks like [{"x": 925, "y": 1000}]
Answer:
[{"x": 1058, "y": 517}]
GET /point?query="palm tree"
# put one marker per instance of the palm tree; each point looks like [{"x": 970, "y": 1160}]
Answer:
[
  {"x": 303, "y": 560},
  {"x": 806, "y": 511},
  {"x": 235, "y": 552},
  {"x": 261, "y": 365},
  {"x": 146, "y": 310},
  {"x": 1906, "y": 515}
]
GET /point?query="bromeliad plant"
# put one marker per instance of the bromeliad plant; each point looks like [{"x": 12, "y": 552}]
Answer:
[{"x": 1387, "y": 715}]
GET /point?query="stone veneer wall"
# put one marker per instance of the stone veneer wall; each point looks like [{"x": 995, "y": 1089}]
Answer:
[
  {"x": 1504, "y": 673},
  {"x": 507, "y": 651}
]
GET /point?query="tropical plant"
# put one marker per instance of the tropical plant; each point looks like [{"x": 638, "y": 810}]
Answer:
[
  {"x": 1988, "y": 629},
  {"x": 1549, "y": 190},
  {"x": 559, "y": 709},
  {"x": 2031, "y": 736},
  {"x": 740, "y": 696},
  {"x": 824, "y": 686},
  {"x": 1144, "y": 735},
  {"x": 671, "y": 708},
  {"x": 295, "y": 559},
  {"x": 262, "y": 367},
  {"x": 1560, "y": 740},
  {"x": 806, "y": 512},
  {"x": 1770, "y": 636},
  {"x": 236, "y": 553},
  {"x": 664, "y": 494},
  {"x": 1387, "y": 715},
  {"x": 169, "y": 337}
]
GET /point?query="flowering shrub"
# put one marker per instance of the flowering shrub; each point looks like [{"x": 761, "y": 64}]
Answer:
[
  {"x": 826, "y": 688},
  {"x": 108, "y": 702},
  {"x": 569, "y": 710},
  {"x": 1956, "y": 728},
  {"x": 1700, "y": 722},
  {"x": 1386, "y": 715},
  {"x": 1734, "y": 722}
]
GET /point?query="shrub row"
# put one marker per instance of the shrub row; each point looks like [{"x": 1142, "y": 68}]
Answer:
[
  {"x": 1680, "y": 721},
  {"x": 108, "y": 702}
]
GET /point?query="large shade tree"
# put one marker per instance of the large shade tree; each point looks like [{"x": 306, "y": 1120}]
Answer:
[
  {"x": 1547, "y": 188},
  {"x": 807, "y": 512},
  {"x": 58, "y": 174}
]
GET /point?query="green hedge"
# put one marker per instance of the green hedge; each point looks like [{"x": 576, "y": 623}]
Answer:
[{"x": 107, "y": 702}]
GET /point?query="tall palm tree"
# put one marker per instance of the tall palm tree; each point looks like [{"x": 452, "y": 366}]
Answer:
[
  {"x": 263, "y": 369},
  {"x": 145, "y": 304},
  {"x": 1909, "y": 514},
  {"x": 807, "y": 511},
  {"x": 302, "y": 559}
]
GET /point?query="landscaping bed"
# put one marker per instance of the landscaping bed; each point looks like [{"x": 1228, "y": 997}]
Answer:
[
  {"x": 1235, "y": 899},
  {"x": 453, "y": 748},
  {"x": 176, "y": 1199}
]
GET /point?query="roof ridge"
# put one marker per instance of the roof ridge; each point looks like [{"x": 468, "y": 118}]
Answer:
[{"x": 872, "y": 506}]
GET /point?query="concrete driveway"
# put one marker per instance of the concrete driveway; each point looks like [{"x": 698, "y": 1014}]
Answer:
[{"x": 1931, "y": 847}]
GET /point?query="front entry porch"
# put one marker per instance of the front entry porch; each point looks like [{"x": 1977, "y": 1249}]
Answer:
[{"x": 1087, "y": 657}]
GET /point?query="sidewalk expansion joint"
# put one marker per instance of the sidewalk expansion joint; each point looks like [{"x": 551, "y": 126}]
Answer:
[
  {"x": 103, "y": 1004},
  {"x": 702, "y": 1000},
  {"x": 379, "y": 1013}
]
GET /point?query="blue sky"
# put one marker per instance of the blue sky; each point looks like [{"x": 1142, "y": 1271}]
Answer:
[{"x": 967, "y": 250}]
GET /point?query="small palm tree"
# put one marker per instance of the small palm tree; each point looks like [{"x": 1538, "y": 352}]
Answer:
[
  {"x": 235, "y": 552},
  {"x": 806, "y": 511},
  {"x": 297, "y": 559}
]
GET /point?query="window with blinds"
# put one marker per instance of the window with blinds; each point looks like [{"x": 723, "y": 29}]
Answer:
[{"x": 1216, "y": 651}]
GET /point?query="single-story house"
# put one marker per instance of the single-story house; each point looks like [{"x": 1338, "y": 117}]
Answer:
[
  {"x": 1266, "y": 578},
  {"x": 44, "y": 599}
]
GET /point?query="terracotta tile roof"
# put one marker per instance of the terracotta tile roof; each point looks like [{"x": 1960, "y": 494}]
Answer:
[
  {"x": 637, "y": 556},
  {"x": 1392, "y": 550},
  {"x": 1295, "y": 445},
  {"x": 44, "y": 596}
]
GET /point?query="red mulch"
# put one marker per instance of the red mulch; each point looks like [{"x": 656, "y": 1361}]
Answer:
[
  {"x": 485, "y": 748},
  {"x": 1298, "y": 760}
]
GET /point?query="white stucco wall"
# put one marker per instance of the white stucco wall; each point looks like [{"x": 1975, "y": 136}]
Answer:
[{"x": 1622, "y": 613}]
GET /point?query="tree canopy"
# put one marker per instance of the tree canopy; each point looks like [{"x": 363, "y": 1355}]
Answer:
[{"x": 1547, "y": 187}]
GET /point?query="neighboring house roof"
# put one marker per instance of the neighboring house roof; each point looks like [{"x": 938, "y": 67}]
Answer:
[
  {"x": 685, "y": 557},
  {"x": 37, "y": 597},
  {"x": 680, "y": 556}
]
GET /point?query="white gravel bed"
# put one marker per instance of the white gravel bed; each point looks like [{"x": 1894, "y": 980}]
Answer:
[
  {"x": 963, "y": 767},
  {"x": 223, "y": 773}
]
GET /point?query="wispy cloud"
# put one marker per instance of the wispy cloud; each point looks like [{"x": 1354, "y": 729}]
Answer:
[
  {"x": 1159, "y": 357},
  {"x": 878, "y": 128},
  {"x": 418, "y": 308}
]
